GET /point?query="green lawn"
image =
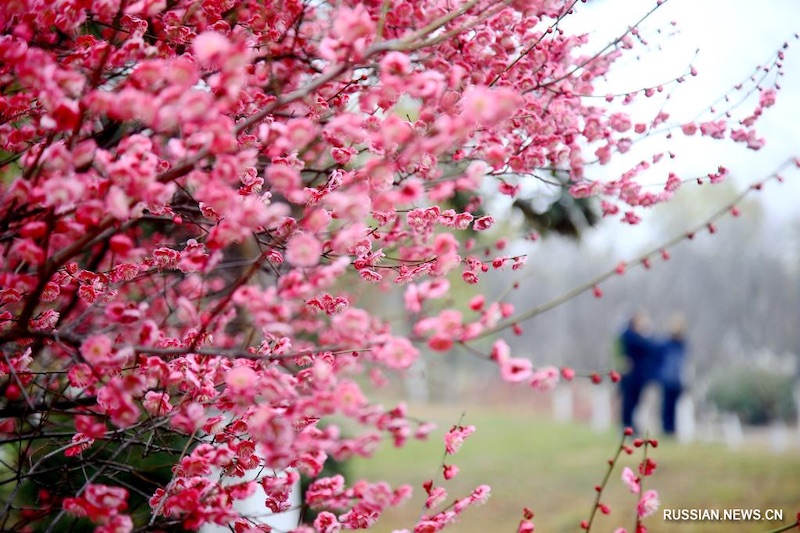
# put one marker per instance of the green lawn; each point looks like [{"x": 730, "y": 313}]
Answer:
[{"x": 552, "y": 468}]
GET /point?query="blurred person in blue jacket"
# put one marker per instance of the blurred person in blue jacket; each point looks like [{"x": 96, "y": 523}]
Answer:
[
  {"x": 671, "y": 360},
  {"x": 641, "y": 359}
]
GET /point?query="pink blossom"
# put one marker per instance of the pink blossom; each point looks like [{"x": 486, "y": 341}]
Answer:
[
  {"x": 508, "y": 189},
  {"x": 630, "y": 480},
  {"x": 631, "y": 218},
  {"x": 481, "y": 494},
  {"x": 353, "y": 24},
  {"x": 516, "y": 369},
  {"x": 283, "y": 178},
  {"x": 397, "y": 352},
  {"x": 477, "y": 302},
  {"x": 648, "y": 504},
  {"x": 118, "y": 203},
  {"x": 501, "y": 352},
  {"x": 102, "y": 504},
  {"x": 395, "y": 64},
  {"x": 490, "y": 106},
  {"x": 483, "y": 223},
  {"x": 80, "y": 441},
  {"x": 98, "y": 350},
  {"x": 427, "y": 526},
  {"x": 26, "y": 251},
  {"x": 156, "y": 403},
  {"x": 545, "y": 379},
  {"x": 714, "y": 129},
  {"x": 324, "y": 489},
  {"x": 350, "y": 398},
  {"x": 146, "y": 8},
  {"x": 210, "y": 46},
  {"x": 749, "y": 137},
  {"x": 90, "y": 426},
  {"x": 327, "y": 523},
  {"x": 440, "y": 342},
  {"x": 767, "y": 98},
  {"x": 583, "y": 190},
  {"x": 455, "y": 438},
  {"x": 303, "y": 250},
  {"x": 619, "y": 122},
  {"x": 603, "y": 154},
  {"x": 673, "y": 183},
  {"x": 241, "y": 381},
  {"x": 190, "y": 417},
  {"x": 450, "y": 471},
  {"x": 106, "y": 497},
  {"x": 435, "y": 497}
]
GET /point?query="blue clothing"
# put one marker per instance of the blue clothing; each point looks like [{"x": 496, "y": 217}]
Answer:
[
  {"x": 672, "y": 354},
  {"x": 669, "y": 408},
  {"x": 640, "y": 352}
]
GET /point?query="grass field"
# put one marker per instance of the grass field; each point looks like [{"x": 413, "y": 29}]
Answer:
[{"x": 552, "y": 468}]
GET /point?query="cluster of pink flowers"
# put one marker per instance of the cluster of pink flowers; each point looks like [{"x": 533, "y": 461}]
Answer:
[
  {"x": 104, "y": 506},
  {"x": 521, "y": 370},
  {"x": 196, "y": 198}
]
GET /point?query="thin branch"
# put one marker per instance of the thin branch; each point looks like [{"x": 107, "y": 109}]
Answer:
[{"x": 590, "y": 284}]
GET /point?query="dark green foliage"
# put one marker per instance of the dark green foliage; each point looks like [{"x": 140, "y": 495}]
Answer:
[
  {"x": 566, "y": 216},
  {"x": 757, "y": 396},
  {"x": 563, "y": 215}
]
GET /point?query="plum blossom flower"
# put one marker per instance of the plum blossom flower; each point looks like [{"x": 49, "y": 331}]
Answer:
[
  {"x": 102, "y": 504},
  {"x": 490, "y": 106},
  {"x": 648, "y": 504},
  {"x": 436, "y": 496},
  {"x": 501, "y": 352},
  {"x": 545, "y": 379},
  {"x": 303, "y": 250},
  {"x": 619, "y": 122},
  {"x": 456, "y": 436},
  {"x": 209, "y": 46},
  {"x": 767, "y": 98},
  {"x": 516, "y": 369},
  {"x": 526, "y": 526},
  {"x": 156, "y": 403},
  {"x": 327, "y": 523},
  {"x": 630, "y": 479},
  {"x": 98, "y": 350},
  {"x": 397, "y": 352},
  {"x": 353, "y": 24},
  {"x": 483, "y": 223},
  {"x": 481, "y": 494},
  {"x": 477, "y": 302},
  {"x": 395, "y": 64},
  {"x": 241, "y": 381}
]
